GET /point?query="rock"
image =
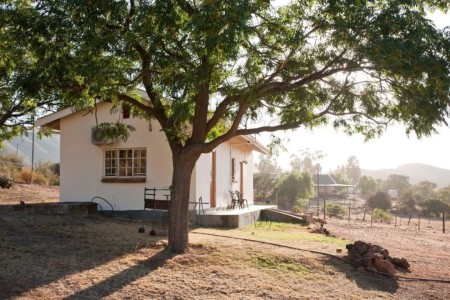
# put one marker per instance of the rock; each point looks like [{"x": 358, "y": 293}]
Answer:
[
  {"x": 359, "y": 248},
  {"x": 365, "y": 261},
  {"x": 400, "y": 262},
  {"x": 376, "y": 249},
  {"x": 383, "y": 266},
  {"x": 377, "y": 255},
  {"x": 374, "y": 256}
]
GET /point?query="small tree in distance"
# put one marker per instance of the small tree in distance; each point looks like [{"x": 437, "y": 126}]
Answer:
[
  {"x": 379, "y": 200},
  {"x": 265, "y": 181},
  {"x": 292, "y": 187},
  {"x": 367, "y": 185}
]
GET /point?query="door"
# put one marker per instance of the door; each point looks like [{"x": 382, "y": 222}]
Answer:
[
  {"x": 241, "y": 179},
  {"x": 212, "y": 189}
]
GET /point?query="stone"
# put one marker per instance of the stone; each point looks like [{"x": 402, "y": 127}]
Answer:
[
  {"x": 383, "y": 266},
  {"x": 400, "y": 262}
]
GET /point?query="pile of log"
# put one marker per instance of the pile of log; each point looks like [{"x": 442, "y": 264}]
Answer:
[{"x": 375, "y": 258}]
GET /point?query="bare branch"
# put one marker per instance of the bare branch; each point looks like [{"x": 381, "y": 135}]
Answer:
[
  {"x": 151, "y": 111},
  {"x": 220, "y": 110},
  {"x": 130, "y": 16}
]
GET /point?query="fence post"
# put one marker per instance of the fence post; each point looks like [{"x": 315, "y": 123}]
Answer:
[
  {"x": 443, "y": 222},
  {"x": 418, "y": 222},
  {"x": 395, "y": 221},
  {"x": 371, "y": 218},
  {"x": 349, "y": 204}
]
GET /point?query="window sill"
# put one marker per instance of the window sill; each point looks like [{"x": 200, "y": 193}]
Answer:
[{"x": 124, "y": 180}]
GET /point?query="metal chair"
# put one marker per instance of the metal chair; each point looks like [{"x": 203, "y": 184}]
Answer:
[
  {"x": 234, "y": 200},
  {"x": 242, "y": 202}
]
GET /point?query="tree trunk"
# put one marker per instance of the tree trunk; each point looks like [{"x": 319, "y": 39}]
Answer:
[{"x": 183, "y": 166}]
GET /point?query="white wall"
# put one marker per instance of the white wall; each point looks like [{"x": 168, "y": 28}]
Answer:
[
  {"x": 224, "y": 154},
  {"x": 201, "y": 179},
  {"x": 82, "y": 163}
]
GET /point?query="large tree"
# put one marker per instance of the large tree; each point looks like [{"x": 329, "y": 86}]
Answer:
[
  {"x": 352, "y": 169},
  {"x": 22, "y": 88},
  {"x": 212, "y": 69},
  {"x": 307, "y": 161}
]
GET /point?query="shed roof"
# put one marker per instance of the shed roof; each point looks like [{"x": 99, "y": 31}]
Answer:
[{"x": 323, "y": 179}]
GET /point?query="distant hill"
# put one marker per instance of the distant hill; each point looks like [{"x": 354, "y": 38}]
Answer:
[
  {"x": 45, "y": 149},
  {"x": 415, "y": 172}
]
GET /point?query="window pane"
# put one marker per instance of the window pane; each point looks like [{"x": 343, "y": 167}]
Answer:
[{"x": 125, "y": 162}]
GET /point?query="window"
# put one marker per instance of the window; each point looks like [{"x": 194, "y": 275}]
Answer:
[
  {"x": 233, "y": 169},
  {"x": 125, "y": 163},
  {"x": 126, "y": 109}
]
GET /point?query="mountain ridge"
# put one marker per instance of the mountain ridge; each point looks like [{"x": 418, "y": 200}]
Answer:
[
  {"x": 415, "y": 171},
  {"x": 45, "y": 149}
]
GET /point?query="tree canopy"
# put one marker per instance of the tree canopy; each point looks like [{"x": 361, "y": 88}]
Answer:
[
  {"x": 367, "y": 185},
  {"x": 379, "y": 200},
  {"x": 216, "y": 69},
  {"x": 292, "y": 187},
  {"x": 22, "y": 91}
]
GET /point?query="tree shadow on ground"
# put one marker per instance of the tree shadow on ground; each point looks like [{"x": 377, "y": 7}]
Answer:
[
  {"x": 124, "y": 278},
  {"x": 36, "y": 250},
  {"x": 364, "y": 279}
]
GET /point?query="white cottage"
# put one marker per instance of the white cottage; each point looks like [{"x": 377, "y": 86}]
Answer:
[{"x": 118, "y": 172}]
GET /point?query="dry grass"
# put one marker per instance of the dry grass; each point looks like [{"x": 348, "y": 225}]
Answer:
[
  {"x": 55, "y": 257},
  {"x": 68, "y": 257},
  {"x": 30, "y": 193}
]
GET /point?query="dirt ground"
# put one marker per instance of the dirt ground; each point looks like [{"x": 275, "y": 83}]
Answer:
[
  {"x": 80, "y": 257},
  {"x": 428, "y": 249},
  {"x": 29, "y": 193}
]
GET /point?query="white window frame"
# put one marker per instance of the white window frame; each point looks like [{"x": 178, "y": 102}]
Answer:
[{"x": 130, "y": 166}]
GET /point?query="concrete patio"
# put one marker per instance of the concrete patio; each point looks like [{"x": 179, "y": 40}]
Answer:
[{"x": 231, "y": 218}]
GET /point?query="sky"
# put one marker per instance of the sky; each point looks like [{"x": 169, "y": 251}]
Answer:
[{"x": 392, "y": 149}]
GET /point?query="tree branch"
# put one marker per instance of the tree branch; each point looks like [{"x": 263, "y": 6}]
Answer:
[{"x": 220, "y": 110}]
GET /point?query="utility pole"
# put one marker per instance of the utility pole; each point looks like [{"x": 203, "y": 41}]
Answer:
[{"x": 32, "y": 152}]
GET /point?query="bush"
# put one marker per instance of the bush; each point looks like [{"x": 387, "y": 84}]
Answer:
[
  {"x": 336, "y": 210},
  {"x": 301, "y": 206},
  {"x": 11, "y": 163},
  {"x": 379, "y": 200},
  {"x": 6, "y": 181},
  {"x": 381, "y": 216},
  {"x": 38, "y": 177},
  {"x": 434, "y": 207},
  {"x": 49, "y": 171}
]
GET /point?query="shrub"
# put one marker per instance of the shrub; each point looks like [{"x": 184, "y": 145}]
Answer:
[
  {"x": 49, "y": 171},
  {"x": 11, "y": 163},
  {"x": 379, "y": 200},
  {"x": 336, "y": 210},
  {"x": 38, "y": 177},
  {"x": 434, "y": 207},
  {"x": 301, "y": 206},
  {"x": 6, "y": 181},
  {"x": 381, "y": 216}
]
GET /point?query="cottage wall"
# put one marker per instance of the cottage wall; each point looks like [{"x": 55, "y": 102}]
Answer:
[
  {"x": 225, "y": 153},
  {"x": 82, "y": 163}
]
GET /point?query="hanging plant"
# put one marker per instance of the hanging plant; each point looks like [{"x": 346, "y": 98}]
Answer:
[{"x": 116, "y": 130}]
